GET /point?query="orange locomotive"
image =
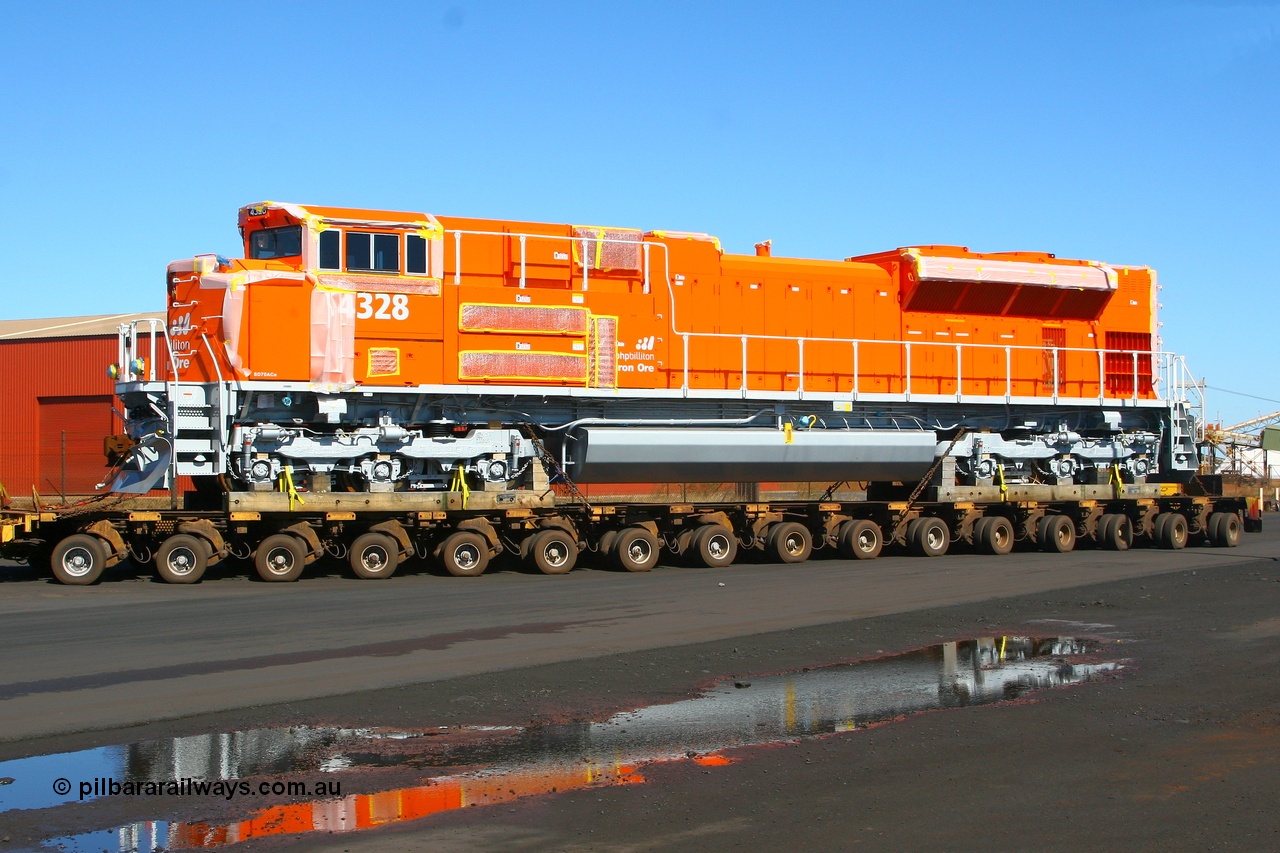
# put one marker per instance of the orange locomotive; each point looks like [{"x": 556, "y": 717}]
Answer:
[{"x": 383, "y": 350}]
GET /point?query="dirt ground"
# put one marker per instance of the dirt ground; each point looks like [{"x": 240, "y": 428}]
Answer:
[{"x": 1180, "y": 753}]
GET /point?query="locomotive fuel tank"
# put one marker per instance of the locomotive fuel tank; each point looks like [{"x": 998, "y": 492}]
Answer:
[{"x": 747, "y": 455}]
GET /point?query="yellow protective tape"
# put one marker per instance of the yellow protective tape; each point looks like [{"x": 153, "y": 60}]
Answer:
[
  {"x": 430, "y": 230},
  {"x": 789, "y": 432},
  {"x": 1116, "y": 480},
  {"x": 1004, "y": 488}
]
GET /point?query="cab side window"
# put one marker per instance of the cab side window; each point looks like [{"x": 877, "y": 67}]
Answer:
[
  {"x": 330, "y": 250},
  {"x": 373, "y": 252}
]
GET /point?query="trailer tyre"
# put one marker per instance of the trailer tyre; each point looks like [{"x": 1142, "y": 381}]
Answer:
[
  {"x": 636, "y": 550},
  {"x": 1115, "y": 532},
  {"x": 861, "y": 540},
  {"x": 928, "y": 537},
  {"x": 1057, "y": 534},
  {"x": 553, "y": 552},
  {"x": 1225, "y": 533},
  {"x": 714, "y": 546},
  {"x": 182, "y": 558},
  {"x": 608, "y": 541},
  {"x": 78, "y": 560},
  {"x": 280, "y": 558},
  {"x": 465, "y": 554},
  {"x": 1171, "y": 531},
  {"x": 374, "y": 556},
  {"x": 996, "y": 536},
  {"x": 790, "y": 542}
]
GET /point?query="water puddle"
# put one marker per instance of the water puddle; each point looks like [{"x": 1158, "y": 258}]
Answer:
[{"x": 476, "y": 765}]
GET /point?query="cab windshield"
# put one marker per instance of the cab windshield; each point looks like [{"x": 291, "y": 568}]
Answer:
[{"x": 271, "y": 243}]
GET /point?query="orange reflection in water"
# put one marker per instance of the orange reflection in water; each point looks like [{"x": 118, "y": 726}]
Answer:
[{"x": 366, "y": 811}]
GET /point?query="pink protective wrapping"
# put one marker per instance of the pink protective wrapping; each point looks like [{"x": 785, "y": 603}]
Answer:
[
  {"x": 333, "y": 337},
  {"x": 1093, "y": 277},
  {"x": 528, "y": 319},
  {"x": 381, "y": 284},
  {"x": 602, "y": 250},
  {"x": 527, "y": 366},
  {"x": 383, "y": 361},
  {"x": 232, "y": 314},
  {"x": 602, "y": 352}
]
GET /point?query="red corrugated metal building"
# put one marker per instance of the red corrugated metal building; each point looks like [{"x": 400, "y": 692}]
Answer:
[{"x": 56, "y": 401}]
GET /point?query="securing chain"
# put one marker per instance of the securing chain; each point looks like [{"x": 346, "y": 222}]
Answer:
[{"x": 549, "y": 462}]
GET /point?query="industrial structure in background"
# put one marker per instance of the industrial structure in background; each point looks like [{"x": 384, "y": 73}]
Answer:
[
  {"x": 378, "y": 386},
  {"x": 57, "y": 403},
  {"x": 1248, "y": 449}
]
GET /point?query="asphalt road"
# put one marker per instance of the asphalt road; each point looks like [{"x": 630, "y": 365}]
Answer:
[
  {"x": 1181, "y": 753},
  {"x": 136, "y": 650}
]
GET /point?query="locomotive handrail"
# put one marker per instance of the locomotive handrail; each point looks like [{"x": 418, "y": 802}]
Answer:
[
  {"x": 1167, "y": 370},
  {"x": 584, "y": 242},
  {"x": 127, "y": 349}
]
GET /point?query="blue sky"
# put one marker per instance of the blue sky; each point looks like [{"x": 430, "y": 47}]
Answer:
[{"x": 1127, "y": 132}]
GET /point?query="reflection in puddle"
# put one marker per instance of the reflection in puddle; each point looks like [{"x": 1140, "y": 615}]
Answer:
[{"x": 485, "y": 765}]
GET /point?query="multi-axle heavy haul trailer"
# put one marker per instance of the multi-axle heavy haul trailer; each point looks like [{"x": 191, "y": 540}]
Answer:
[
  {"x": 375, "y": 537},
  {"x": 379, "y": 385}
]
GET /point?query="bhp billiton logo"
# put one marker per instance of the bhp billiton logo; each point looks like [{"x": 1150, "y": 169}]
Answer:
[{"x": 645, "y": 344}]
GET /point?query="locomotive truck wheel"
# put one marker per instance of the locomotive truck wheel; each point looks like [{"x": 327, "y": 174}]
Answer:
[
  {"x": 182, "y": 558},
  {"x": 1171, "y": 531},
  {"x": 1224, "y": 534},
  {"x": 997, "y": 535},
  {"x": 374, "y": 556},
  {"x": 78, "y": 560},
  {"x": 790, "y": 542},
  {"x": 464, "y": 554},
  {"x": 280, "y": 558},
  {"x": 1057, "y": 534},
  {"x": 636, "y": 549},
  {"x": 553, "y": 552},
  {"x": 860, "y": 540},
  {"x": 714, "y": 545},
  {"x": 931, "y": 538}
]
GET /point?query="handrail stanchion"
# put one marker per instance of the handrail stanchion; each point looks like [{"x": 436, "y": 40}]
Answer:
[
  {"x": 457, "y": 257},
  {"x": 645, "y": 250},
  {"x": 959, "y": 376},
  {"x": 685, "y": 386},
  {"x": 522, "y": 241},
  {"x": 1102, "y": 377},
  {"x": 907, "y": 373},
  {"x": 855, "y": 370},
  {"x": 1056, "y": 380},
  {"x": 151, "y": 361},
  {"x": 585, "y": 264},
  {"x": 744, "y": 365},
  {"x": 1008, "y": 374},
  {"x": 800, "y": 376},
  {"x": 1135, "y": 377}
]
